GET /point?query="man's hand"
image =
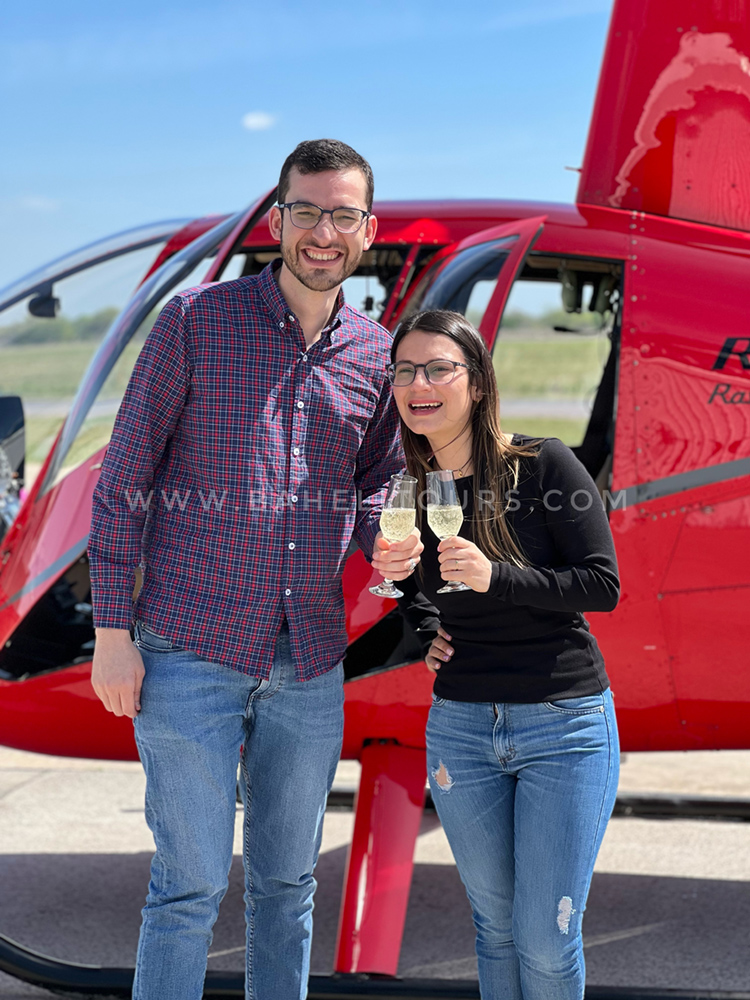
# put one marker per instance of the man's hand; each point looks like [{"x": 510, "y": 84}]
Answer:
[
  {"x": 397, "y": 560},
  {"x": 461, "y": 560},
  {"x": 117, "y": 672},
  {"x": 439, "y": 652}
]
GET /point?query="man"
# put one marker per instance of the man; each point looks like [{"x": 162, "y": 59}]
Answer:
[{"x": 257, "y": 411}]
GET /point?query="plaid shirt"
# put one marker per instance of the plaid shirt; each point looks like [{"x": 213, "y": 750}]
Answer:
[{"x": 241, "y": 462}]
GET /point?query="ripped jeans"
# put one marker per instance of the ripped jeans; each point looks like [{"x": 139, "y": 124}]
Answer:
[{"x": 524, "y": 793}]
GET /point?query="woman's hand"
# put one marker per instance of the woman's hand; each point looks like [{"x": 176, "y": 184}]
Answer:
[
  {"x": 461, "y": 560},
  {"x": 439, "y": 652}
]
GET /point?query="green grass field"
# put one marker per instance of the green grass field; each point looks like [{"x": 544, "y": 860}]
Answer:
[
  {"x": 54, "y": 371},
  {"x": 569, "y": 431},
  {"x": 556, "y": 365},
  {"x": 40, "y": 433},
  {"x": 44, "y": 371}
]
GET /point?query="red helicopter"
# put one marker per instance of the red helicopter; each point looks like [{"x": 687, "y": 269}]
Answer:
[{"x": 647, "y": 376}]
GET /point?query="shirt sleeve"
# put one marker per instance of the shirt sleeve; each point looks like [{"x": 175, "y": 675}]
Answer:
[
  {"x": 149, "y": 413},
  {"x": 586, "y": 578},
  {"x": 380, "y": 457},
  {"x": 423, "y": 616}
]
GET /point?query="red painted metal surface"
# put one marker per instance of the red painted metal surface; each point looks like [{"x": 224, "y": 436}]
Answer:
[
  {"x": 58, "y": 713},
  {"x": 670, "y": 132},
  {"x": 525, "y": 231},
  {"x": 181, "y": 239},
  {"x": 388, "y": 813}
]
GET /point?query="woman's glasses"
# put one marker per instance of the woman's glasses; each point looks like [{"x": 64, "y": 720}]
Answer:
[{"x": 436, "y": 372}]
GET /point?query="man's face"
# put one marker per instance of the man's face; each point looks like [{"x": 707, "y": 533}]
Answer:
[{"x": 322, "y": 258}]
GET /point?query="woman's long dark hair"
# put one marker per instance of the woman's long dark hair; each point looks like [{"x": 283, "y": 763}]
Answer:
[{"x": 496, "y": 463}]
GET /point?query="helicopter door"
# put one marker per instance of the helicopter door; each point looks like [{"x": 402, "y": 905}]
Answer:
[{"x": 476, "y": 276}]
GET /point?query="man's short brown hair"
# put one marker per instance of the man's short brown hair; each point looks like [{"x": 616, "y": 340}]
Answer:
[{"x": 314, "y": 156}]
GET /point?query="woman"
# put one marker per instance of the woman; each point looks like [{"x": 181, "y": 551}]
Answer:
[{"x": 522, "y": 747}]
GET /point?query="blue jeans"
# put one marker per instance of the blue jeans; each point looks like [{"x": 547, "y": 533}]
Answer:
[
  {"x": 524, "y": 793},
  {"x": 195, "y": 716}
]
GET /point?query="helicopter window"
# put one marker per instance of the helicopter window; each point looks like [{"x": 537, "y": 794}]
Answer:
[
  {"x": 96, "y": 429},
  {"x": 46, "y": 353},
  {"x": 465, "y": 283},
  {"x": 555, "y": 355}
]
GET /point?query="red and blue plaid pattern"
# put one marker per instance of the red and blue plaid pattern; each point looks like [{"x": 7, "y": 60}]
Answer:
[{"x": 241, "y": 462}]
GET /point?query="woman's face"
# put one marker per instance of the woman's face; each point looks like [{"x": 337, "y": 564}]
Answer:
[{"x": 440, "y": 412}]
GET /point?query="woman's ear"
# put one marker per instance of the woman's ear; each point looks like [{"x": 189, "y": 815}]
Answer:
[{"x": 476, "y": 393}]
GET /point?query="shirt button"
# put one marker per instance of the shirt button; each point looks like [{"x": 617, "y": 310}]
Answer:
[
  {"x": 295, "y": 451},
  {"x": 292, "y": 545},
  {"x": 291, "y": 319},
  {"x": 281, "y": 325},
  {"x": 288, "y": 592},
  {"x": 300, "y": 405},
  {"x": 294, "y": 499},
  {"x": 304, "y": 357}
]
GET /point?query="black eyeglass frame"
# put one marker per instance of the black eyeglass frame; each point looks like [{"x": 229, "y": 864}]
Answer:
[
  {"x": 391, "y": 371},
  {"x": 325, "y": 211}
]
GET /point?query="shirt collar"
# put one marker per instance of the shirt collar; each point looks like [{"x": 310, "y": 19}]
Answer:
[{"x": 279, "y": 308}]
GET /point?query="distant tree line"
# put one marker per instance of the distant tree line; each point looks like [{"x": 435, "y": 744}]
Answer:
[
  {"x": 46, "y": 331},
  {"x": 517, "y": 319}
]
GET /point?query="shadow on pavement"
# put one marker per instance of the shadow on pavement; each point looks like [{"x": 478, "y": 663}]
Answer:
[{"x": 644, "y": 931}]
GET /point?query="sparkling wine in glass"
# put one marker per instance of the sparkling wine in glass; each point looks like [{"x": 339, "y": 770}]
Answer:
[
  {"x": 444, "y": 514},
  {"x": 398, "y": 517}
]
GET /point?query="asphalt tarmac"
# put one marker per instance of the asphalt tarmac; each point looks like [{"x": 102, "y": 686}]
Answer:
[{"x": 669, "y": 904}]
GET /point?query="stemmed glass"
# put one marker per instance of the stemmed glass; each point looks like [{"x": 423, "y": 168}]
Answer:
[
  {"x": 398, "y": 517},
  {"x": 444, "y": 514}
]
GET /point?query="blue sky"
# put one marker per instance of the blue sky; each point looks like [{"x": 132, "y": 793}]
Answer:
[{"x": 114, "y": 115}]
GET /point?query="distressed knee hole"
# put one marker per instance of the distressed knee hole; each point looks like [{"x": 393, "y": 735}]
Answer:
[
  {"x": 564, "y": 912},
  {"x": 442, "y": 778}
]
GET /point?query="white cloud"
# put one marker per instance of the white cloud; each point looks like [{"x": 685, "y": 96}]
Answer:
[
  {"x": 38, "y": 203},
  {"x": 257, "y": 121}
]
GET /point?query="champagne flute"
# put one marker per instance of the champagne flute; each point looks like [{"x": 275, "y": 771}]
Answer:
[
  {"x": 398, "y": 517},
  {"x": 444, "y": 514}
]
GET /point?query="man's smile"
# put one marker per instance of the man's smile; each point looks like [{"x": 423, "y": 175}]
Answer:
[{"x": 321, "y": 256}]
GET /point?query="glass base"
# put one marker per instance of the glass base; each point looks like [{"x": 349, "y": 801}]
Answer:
[
  {"x": 452, "y": 588},
  {"x": 386, "y": 589}
]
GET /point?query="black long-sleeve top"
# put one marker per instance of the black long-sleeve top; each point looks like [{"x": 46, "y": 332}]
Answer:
[{"x": 526, "y": 639}]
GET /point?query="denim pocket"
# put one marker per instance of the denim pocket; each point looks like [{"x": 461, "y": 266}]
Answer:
[
  {"x": 587, "y": 705},
  {"x": 152, "y": 641},
  {"x": 437, "y": 702}
]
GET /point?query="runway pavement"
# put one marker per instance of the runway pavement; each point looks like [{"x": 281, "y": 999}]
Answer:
[{"x": 669, "y": 905}]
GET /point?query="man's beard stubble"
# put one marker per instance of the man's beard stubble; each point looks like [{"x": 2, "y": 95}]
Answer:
[{"x": 322, "y": 280}]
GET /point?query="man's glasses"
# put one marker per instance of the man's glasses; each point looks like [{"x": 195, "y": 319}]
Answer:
[
  {"x": 436, "y": 372},
  {"x": 306, "y": 216}
]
